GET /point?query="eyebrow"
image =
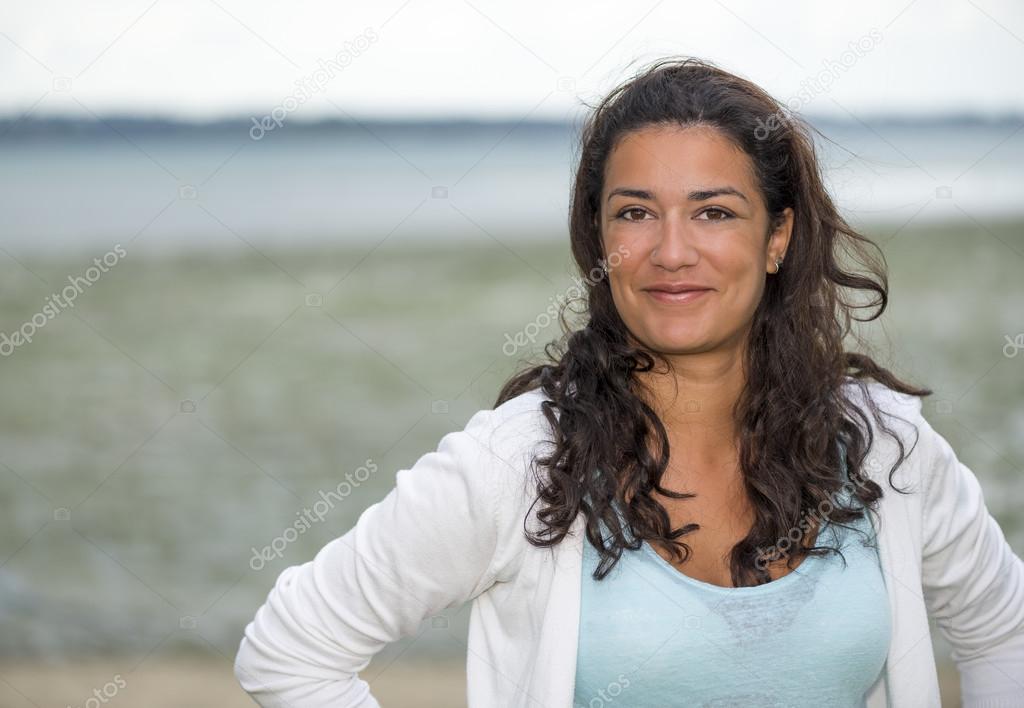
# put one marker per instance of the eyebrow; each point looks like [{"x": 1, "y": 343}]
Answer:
[{"x": 697, "y": 195}]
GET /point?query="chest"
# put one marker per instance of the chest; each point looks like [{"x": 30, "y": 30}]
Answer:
[
  {"x": 680, "y": 641},
  {"x": 724, "y": 514}
]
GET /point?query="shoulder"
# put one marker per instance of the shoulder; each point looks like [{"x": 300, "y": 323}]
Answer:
[
  {"x": 515, "y": 427},
  {"x": 889, "y": 401},
  {"x": 899, "y": 413},
  {"x": 479, "y": 459},
  {"x": 931, "y": 464},
  {"x": 499, "y": 443},
  {"x": 898, "y": 431}
]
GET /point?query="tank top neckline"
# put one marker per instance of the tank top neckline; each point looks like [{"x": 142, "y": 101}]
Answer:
[{"x": 807, "y": 564}]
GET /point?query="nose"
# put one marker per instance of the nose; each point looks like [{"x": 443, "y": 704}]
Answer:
[{"x": 675, "y": 247}]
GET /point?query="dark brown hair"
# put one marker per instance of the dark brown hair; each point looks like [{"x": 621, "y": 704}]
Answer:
[{"x": 793, "y": 408}]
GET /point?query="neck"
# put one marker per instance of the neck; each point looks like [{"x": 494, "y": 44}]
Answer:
[{"x": 695, "y": 402}]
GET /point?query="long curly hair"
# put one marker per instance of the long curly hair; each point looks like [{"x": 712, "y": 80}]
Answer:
[{"x": 793, "y": 408}]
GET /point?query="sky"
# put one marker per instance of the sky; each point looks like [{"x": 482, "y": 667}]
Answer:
[{"x": 207, "y": 59}]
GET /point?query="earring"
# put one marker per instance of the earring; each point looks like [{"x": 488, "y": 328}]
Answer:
[{"x": 778, "y": 264}]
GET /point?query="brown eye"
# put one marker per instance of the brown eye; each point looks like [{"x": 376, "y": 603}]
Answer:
[
  {"x": 721, "y": 214},
  {"x": 631, "y": 210}
]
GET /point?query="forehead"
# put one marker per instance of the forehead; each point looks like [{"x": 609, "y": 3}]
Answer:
[{"x": 678, "y": 159}]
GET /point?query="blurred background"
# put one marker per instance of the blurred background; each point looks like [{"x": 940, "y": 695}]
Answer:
[{"x": 249, "y": 248}]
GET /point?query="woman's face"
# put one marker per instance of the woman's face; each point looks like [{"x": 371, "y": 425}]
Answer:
[{"x": 682, "y": 204}]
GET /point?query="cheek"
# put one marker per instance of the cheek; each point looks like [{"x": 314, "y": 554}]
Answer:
[
  {"x": 626, "y": 256},
  {"x": 746, "y": 287},
  {"x": 623, "y": 240},
  {"x": 627, "y": 300},
  {"x": 741, "y": 272}
]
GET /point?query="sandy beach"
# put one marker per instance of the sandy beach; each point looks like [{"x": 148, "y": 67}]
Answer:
[
  {"x": 208, "y": 682},
  {"x": 200, "y": 682}
]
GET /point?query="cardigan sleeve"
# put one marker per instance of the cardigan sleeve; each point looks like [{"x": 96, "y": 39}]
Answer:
[
  {"x": 429, "y": 544},
  {"x": 972, "y": 580}
]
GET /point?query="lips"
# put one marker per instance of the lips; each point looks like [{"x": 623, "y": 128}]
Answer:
[
  {"x": 680, "y": 297},
  {"x": 675, "y": 288}
]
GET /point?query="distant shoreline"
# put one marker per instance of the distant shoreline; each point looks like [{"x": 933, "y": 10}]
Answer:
[{"x": 15, "y": 125}]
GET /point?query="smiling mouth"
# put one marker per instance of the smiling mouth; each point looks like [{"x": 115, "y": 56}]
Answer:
[{"x": 677, "y": 298}]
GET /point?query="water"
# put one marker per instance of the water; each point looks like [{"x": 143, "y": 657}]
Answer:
[{"x": 216, "y": 188}]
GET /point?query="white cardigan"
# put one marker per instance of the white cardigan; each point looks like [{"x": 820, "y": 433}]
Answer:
[{"x": 451, "y": 531}]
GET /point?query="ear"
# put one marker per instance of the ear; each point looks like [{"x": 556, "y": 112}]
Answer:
[{"x": 778, "y": 240}]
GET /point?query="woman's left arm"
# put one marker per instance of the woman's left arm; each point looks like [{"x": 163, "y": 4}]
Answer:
[{"x": 973, "y": 581}]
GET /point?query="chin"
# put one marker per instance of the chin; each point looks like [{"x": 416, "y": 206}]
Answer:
[{"x": 682, "y": 344}]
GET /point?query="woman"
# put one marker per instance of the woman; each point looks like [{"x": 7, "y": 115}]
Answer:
[{"x": 702, "y": 499}]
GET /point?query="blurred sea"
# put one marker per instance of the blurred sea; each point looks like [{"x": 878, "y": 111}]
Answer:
[
  {"x": 70, "y": 185},
  {"x": 292, "y": 308}
]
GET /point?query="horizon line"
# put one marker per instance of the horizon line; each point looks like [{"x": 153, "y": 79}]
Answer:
[{"x": 142, "y": 119}]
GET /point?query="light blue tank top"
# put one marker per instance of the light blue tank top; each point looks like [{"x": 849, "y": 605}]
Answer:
[{"x": 651, "y": 636}]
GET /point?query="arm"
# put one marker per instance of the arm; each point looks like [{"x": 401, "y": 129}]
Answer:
[
  {"x": 428, "y": 545},
  {"x": 973, "y": 582}
]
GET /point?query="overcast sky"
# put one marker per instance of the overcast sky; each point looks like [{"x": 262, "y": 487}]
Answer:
[{"x": 399, "y": 58}]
